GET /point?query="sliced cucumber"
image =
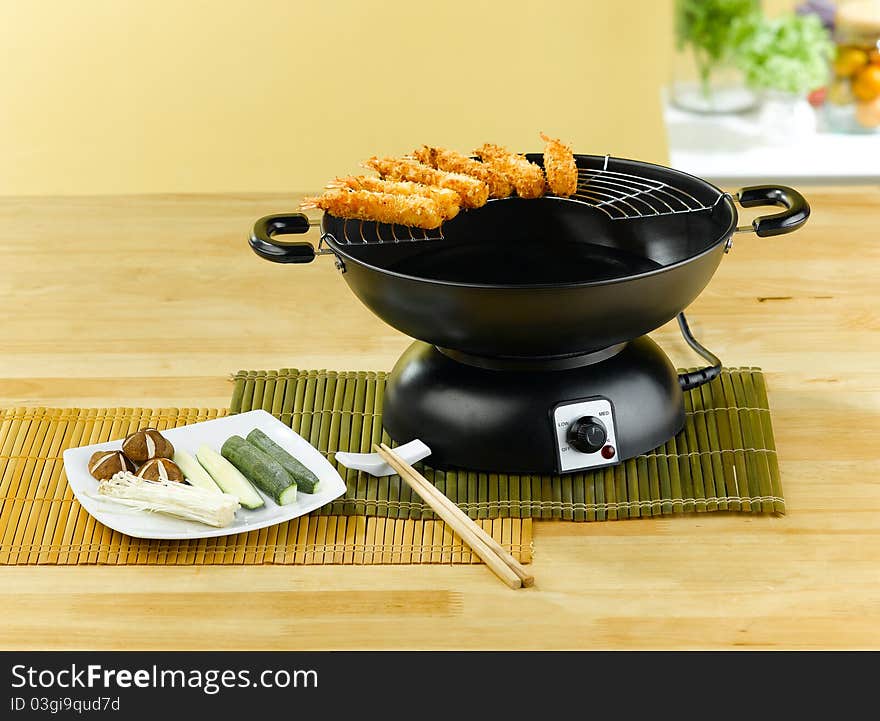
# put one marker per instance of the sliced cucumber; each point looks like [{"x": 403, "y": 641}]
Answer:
[
  {"x": 228, "y": 478},
  {"x": 288, "y": 495},
  {"x": 306, "y": 481},
  {"x": 195, "y": 474},
  {"x": 263, "y": 470}
]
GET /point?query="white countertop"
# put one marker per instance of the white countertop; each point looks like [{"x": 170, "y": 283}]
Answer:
[{"x": 743, "y": 149}]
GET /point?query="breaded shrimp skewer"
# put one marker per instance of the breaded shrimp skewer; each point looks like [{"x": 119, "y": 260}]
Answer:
[
  {"x": 452, "y": 162},
  {"x": 559, "y": 167},
  {"x": 474, "y": 193},
  {"x": 447, "y": 200},
  {"x": 527, "y": 178},
  {"x": 415, "y": 211}
]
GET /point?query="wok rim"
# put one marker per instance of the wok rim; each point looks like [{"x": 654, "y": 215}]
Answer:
[{"x": 728, "y": 232}]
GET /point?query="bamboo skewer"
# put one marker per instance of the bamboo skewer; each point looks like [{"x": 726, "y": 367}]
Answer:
[{"x": 490, "y": 551}]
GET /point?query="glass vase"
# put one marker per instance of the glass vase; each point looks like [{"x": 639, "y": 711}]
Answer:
[
  {"x": 704, "y": 76},
  {"x": 709, "y": 88}
]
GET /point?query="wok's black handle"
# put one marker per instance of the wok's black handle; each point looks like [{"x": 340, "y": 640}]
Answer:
[
  {"x": 284, "y": 224},
  {"x": 796, "y": 212}
]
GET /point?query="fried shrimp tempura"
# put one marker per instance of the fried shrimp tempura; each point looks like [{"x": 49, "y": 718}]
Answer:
[
  {"x": 559, "y": 167},
  {"x": 452, "y": 162},
  {"x": 474, "y": 193},
  {"x": 526, "y": 178},
  {"x": 447, "y": 200},
  {"x": 415, "y": 211}
]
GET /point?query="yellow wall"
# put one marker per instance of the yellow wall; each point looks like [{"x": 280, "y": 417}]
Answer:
[
  {"x": 119, "y": 96},
  {"x": 122, "y": 96},
  {"x": 775, "y": 7}
]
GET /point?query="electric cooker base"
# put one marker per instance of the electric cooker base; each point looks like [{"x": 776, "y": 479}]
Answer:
[{"x": 558, "y": 415}]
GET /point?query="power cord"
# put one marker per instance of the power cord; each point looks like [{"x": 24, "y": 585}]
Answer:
[{"x": 694, "y": 379}]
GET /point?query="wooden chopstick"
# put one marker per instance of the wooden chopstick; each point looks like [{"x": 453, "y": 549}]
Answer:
[
  {"x": 427, "y": 490},
  {"x": 505, "y": 566}
]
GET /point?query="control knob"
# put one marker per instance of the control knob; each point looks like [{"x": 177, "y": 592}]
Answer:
[{"x": 587, "y": 434}]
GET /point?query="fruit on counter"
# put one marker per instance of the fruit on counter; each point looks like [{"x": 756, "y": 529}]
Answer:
[
  {"x": 849, "y": 61},
  {"x": 193, "y": 471},
  {"x": 106, "y": 464},
  {"x": 306, "y": 481},
  {"x": 160, "y": 469},
  {"x": 866, "y": 85},
  {"x": 173, "y": 499},
  {"x": 874, "y": 57},
  {"x": 146, "y": 444},
  {"x": 817, "y": 97},
  {"x": 840, "y": 92},
  {"x": 868, "y": 113},
  {"x": 263, "y": 470},
  {"x": 229, "y": 478}
]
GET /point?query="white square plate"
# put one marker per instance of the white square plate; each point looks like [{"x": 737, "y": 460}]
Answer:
[{"x": 140, "y": 524}]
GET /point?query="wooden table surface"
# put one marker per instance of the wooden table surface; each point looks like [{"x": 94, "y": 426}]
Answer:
[{"x": 152, "y": 301}]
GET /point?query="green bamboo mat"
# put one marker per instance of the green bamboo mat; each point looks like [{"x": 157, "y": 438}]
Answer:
[
  {"x": 723, "y": 460},
  {"x": 42, "y": 523}
]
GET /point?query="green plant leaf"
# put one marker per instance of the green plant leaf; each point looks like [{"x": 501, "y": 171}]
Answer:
[
  {"x": 712, "y": 29},
  {"x": 789, "y": 53}
]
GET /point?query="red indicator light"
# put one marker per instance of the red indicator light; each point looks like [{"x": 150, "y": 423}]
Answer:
[{"x": 608, "y": 452}]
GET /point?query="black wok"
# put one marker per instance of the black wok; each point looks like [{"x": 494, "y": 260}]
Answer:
[{"x": 546, "y": 277}]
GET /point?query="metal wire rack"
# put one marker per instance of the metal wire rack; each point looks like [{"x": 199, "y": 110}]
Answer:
[
  {"x": 624, "y": 195},
  {"x": 618, "y": 195},
  {"x": 366, "y": 232}
]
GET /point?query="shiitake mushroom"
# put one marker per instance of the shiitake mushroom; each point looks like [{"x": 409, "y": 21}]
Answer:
[
  {"x": 160, "y": 469},
  {"x": 103, "y": 465},
  {"x": 146, "y": 444}
]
